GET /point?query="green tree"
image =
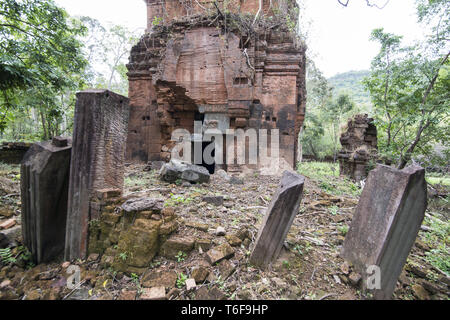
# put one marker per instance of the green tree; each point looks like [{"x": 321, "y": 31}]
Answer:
[
  {"x": 40, "y": 60},
  {"x": 319, "y": 94},
  {"x": 410, "y": 88},
  {"x": 107, "y": 50},
  {"x": 337, "y": 110}
]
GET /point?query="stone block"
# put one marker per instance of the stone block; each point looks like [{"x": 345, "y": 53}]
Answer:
[
  {"x": 278, "y": 220},
  {"x": 386, "y": 223},
  {"x": 97, "y": 162},
  {"x": 44, "y": 184}
]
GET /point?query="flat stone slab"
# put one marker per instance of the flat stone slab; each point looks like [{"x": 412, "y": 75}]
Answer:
[
  {"x": 217, "y": 254},
  {"x": 173, "y": 246},
  {"x": 165, "y": 279},
  {"x": 278, "y": 220},
  {"x": 143, "y": 204},
  {"x": 8, "y": 224},
  {"x": 156, "y": 293},
  {"x": 386, "y": 223}
]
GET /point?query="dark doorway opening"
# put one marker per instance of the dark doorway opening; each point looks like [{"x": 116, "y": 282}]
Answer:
[{"x": 210, "y": 167}]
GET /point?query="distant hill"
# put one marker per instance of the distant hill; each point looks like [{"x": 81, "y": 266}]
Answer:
[{"x": 351, "y": 82}]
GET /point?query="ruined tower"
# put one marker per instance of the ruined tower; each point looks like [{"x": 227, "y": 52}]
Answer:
[{"x": 213, "y": 61}]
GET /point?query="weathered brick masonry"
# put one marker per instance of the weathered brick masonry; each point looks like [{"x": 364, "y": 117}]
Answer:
[{"x": 198, "y": 62}]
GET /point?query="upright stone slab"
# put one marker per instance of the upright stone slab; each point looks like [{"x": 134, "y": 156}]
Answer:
[
  {"x": 386, "y": 222},
  {"x": 44, "y": 183},
  {"x": 98, "y": 154},
  {"x": 278, "y": 219}
]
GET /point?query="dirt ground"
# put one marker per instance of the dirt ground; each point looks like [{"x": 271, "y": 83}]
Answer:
[{"x": 309, "y": 266}]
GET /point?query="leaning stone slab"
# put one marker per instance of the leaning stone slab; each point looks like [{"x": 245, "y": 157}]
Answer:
[
  {"x": 278, "y": 220},
  {"x": 44, "y": 188},
  {"x": 385, "y": 225},
  {"x": 98, "y": 156}
]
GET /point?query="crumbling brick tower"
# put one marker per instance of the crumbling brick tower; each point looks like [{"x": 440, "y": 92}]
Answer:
[{"x": 213, "y": 61}]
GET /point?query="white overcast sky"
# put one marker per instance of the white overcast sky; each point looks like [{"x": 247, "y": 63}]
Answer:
[{"x": 338, "y": 37}]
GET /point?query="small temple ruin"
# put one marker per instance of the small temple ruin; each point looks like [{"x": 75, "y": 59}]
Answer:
[
  {"x": 214, "y": 62},
  {"x": 359, "y": 147}
]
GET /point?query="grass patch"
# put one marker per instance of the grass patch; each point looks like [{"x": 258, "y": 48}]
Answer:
[
  {"x": 137, "y": 181},
  {"x": 443, "y": 180},
  {"x": 326, "y": 175},
  {"x": 438, "y": 238}
]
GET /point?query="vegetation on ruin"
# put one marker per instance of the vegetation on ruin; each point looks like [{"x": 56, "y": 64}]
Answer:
[{"x": 47, "y": 56}]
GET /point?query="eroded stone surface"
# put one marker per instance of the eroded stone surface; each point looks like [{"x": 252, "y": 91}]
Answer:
[
  {"x": 187, "y": 70},
  {"x": 157, "y": 293},
  {"x": 44, "y": 183},
  {"x": 177, "y": 170},
  {"x": 143, "y": 204},
  {"x": 97, "y": 162},
  {"x": 278, "y": 219},
  {"x": 359, "y": 146},
  {"x": 217, "y": 254},
  {"x": 386, "y": 222}
]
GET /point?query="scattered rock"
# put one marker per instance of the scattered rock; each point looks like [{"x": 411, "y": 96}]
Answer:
[
  {"x": 217, "y": 254},
  {"x": 204, "y": 244},
  {"x": 154, "y": 165},
  {"x": 190, "y": 284},
  {"x": 345, "y": 268},
  {"x": 233, "y": 240},
  {"x": 34, "y": 295},
  {"x": 6, "y": 212},
  {"x": 354, "y": 278},
  {"x": 420, "y": 292},
  {"x": 199, "y": 274},
  {"x": 127, "y": 295},
  {"x": 156, "y": 293},
  {"x": 236, "y": 180},
  {"x": 176, "y": 170},
  {"x": 165, "y": 279},
  {"x": 419, "y": 271},
  {"x": 5, "y": 284},
  {"x": 143, "y": 204},
  {"x": 422, "y": 245},
  {"x": 197, "y": 225},
  {"x": 404, "y": 280},
  {"x": 107, "y": 261},
  {"x": 222, "y": 174},
  {"x": 242, "y": 233},
  {"x": 337, "y": 279},
  {"x": 212, "y": 294},
  {"x": 214, "y": 200},
  {"x": 173, "y": 293},
  {"x": 93, "y": 257},
  {"x": 173, "y": 246},
  {"x": 220, "y": 232},
  {"x": 431, "y": 287},
  {"x": 226, "y": 269},
  {"x": 7, "y": 224}
]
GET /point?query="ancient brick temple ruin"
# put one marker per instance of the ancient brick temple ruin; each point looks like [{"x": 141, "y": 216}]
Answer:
[
  {"x": 359, "y": 147},
  {"x": 212, "y": 61}
]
